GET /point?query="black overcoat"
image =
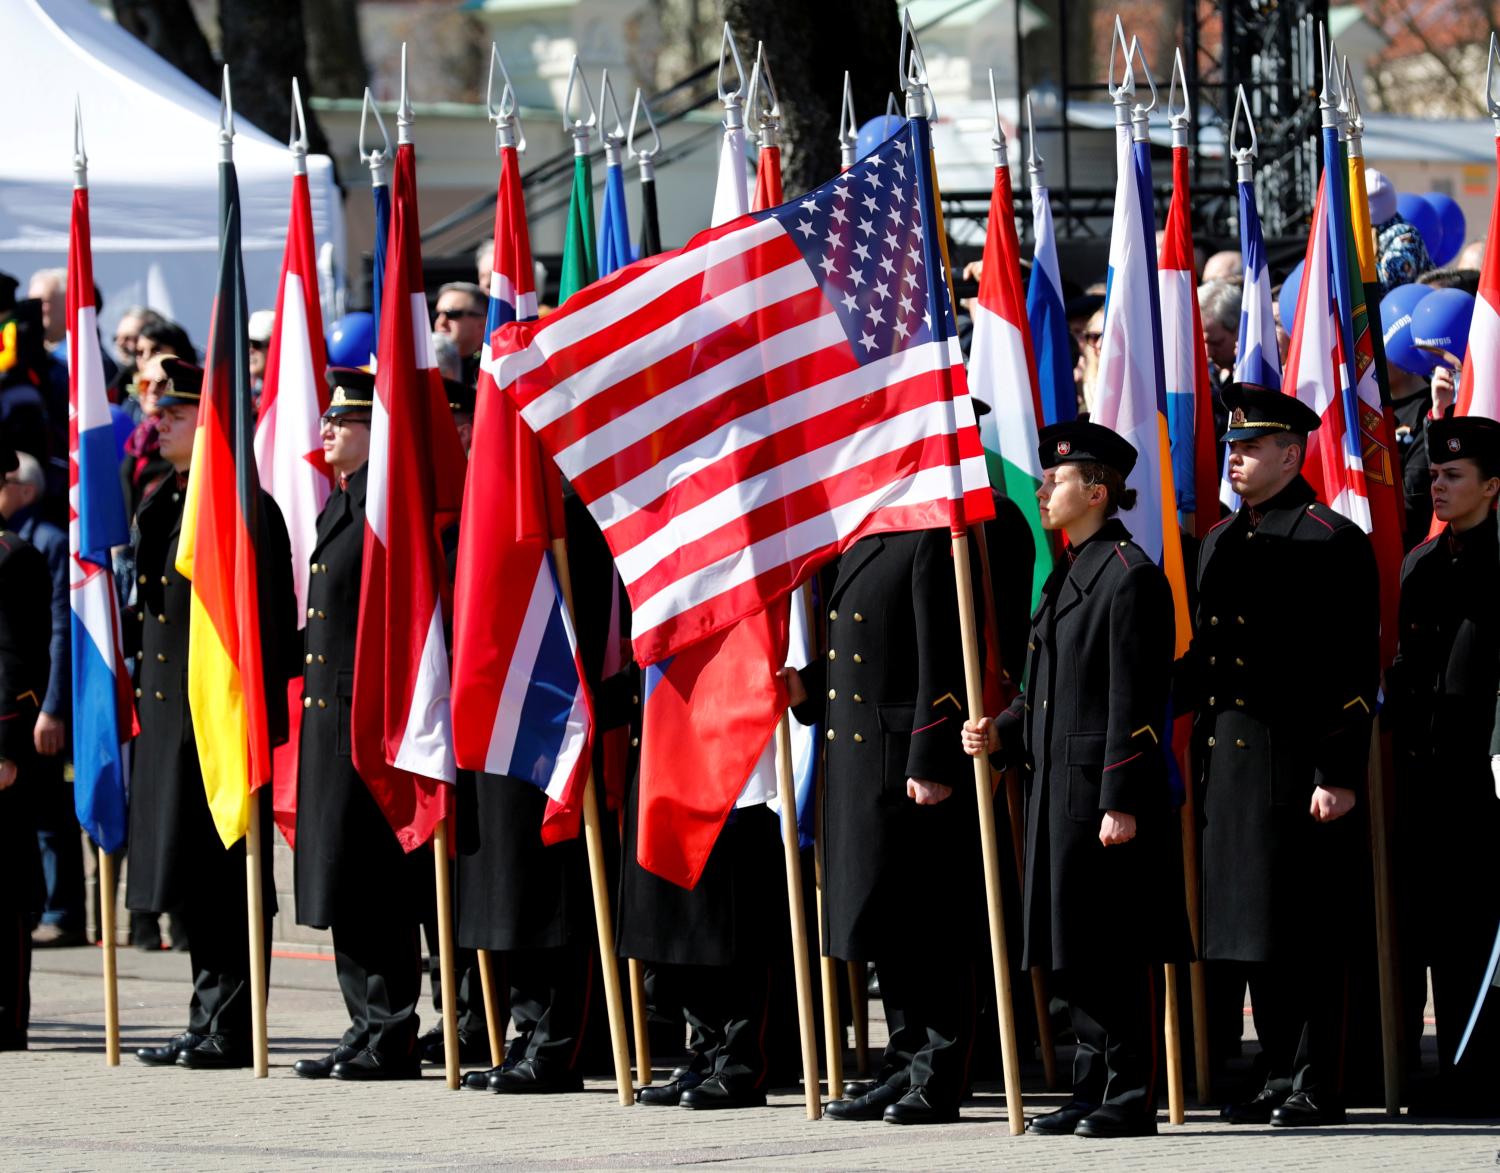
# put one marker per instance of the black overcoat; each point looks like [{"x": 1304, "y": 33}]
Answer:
[
  {"x": 513, "y": 891},
  {"x": 1441, "y": 709},
  {"x": 173, "y": 842},
  {"x": 1282, "y": 673},
  {"x": 890, "y": 690},
  {"x": 1092, "y": 726},
  {"x": 347, "y": 859},
  {"x": 25, "y": 627}
]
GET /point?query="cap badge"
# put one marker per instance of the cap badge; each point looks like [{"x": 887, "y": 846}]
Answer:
[
  {"x": 1064, "y": 447},
  {"x": 1238, "y": 418},
  {"x": 1453, "y": 444}
]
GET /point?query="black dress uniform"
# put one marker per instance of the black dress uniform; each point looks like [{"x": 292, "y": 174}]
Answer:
[
  {"x": 1092, "y": 727},
  {"x": 1441, "y": 694},
  {"x": 903, "y": 883},
  {"x": 351, "y": 874},
  {"x": 529, "y": 903},
  {"x": 177, "y": 860},
  {"x": 25, "y": 594},
  {"x": 1411, "y": 414},
  {"x": 1282, "y": 674}
]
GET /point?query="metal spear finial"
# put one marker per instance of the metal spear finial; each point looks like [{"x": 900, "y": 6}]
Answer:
[
  {"x": 913, "y": 71},
  {"x": 1179, "y": 118},
  {"x": 377, "y": 159},
  {"x": 1491, "y": 97},
  {"x": 226, "y": 121},
  {"x": 80, "y": 156},
  {"x": 580, "y": 128},
  {"x": 505, "y": 114},
  {"x": 734, "y": 109},
  {"x": 848, "y": 127},
  {"x": 403, "y": 111},
  {"x": 1034, "y": 160},
  {"x": 646, "y": 159},
  {"x": 762, "y": 101},
  {"x": 1244, "y": 157},
  {"x": 614, "y": 137},
  {"x": 297, "y": 139},
  {"x": 997, "y": 139}
]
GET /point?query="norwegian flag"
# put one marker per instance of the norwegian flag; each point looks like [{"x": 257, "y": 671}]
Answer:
[
  {"x": 402, "y": 729},
  {"x": 103, "y": 713},
  {"x": 1190, "y": 409},
  {"x": 288, "y": 444},
  {"x": 736, "y": 413},
  {"x": 1479, "y": 386},
  {"x": 520, "y": 705}
]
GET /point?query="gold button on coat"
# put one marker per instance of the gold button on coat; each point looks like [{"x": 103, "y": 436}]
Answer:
[
  {"x": 311, "y": 611},
  {"x": 161, "y": 696},
  {"x": 161, "y": 657},
  {"x": 142, "y": 580},
  {"x": 1239, "y": 742},
  {"x": 832, "y": 655},
  {"x": 833, "y": 694},
  {"x": 833, "y": 614},
  {"x": 307, "y": 702},
  {"x": 137, "y": 694},
  {"x": 1212, "y": 742},
  {"x": 161, "y": 618},
  {"x": 858, "y": 618},
  {"x": 858, "y": 659},
  {"x": 309, "y": 657},
  {"x": 830, "y": 735},
  {"x": 858, "y": 700},
  {"x": 858, "y": 737},
  {"x": 322, "y": 704}
]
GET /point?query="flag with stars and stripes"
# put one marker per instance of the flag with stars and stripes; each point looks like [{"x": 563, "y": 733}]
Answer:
[{"x": 736, "y": 413}]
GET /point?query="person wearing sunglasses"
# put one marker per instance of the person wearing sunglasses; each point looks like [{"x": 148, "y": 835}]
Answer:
[{"x": 460, "y": 313}]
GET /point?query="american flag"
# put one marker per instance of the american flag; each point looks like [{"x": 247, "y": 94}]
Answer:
[{"x": 738, "y": 412}]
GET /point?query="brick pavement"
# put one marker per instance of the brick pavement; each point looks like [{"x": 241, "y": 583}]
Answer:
[{"x": 61, "y": 1108}]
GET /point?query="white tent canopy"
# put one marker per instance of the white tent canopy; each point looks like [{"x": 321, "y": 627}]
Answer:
[{"x": 151, "y": 136}]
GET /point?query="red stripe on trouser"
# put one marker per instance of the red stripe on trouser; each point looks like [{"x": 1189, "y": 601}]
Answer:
[{"x": 583, "y": 1018}]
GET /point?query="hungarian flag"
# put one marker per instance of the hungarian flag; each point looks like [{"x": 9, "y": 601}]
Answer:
[
  {"x": 288, "y": 443},
  {"x": 217, "y": 552},
  {"x": 520, "y": 705},
  {"x": 103, "y": 712},
  {"x": 402, "y": 728},
  {"x": 1002, "y": 371}
]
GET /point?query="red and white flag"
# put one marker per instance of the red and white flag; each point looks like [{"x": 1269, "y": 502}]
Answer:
[
  {"x": 288, "y": 445},
  {"x": 1479, "y": 387},
  {"x": 402, "y": 733}
]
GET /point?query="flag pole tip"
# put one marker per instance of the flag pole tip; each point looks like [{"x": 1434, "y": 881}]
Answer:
[
  {"x": 609, "y": 105},
  {"x": 80, "y": 155},
  {"x": 729, "y": 52},
  {"x": 297, "y": 138},
  {"x": 1181, "y": 115},
  {"x": 403, "y": 110},
  {"x": 504, "y": 115},
  {"x": 646, "y": 156},
  {"x": 1034, "y": 158},
  {"x": 579, "y": 128}
]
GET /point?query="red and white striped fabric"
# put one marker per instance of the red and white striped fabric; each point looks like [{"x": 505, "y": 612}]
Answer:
[
  {"x": 738, "y": 412},
  {"x": 1479, "y": 387},
  {"x": 402, "y": 732}
]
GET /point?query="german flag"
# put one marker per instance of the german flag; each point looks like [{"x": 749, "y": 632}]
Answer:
[{"x": 217, "y": 550}]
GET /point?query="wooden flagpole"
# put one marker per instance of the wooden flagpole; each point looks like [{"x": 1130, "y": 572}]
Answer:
[
  {"x": 107, "y": 940},
  {"x": 255, "y": 903},
  {"x": 445, "y": 952},
  {"x": 491, "y": 1015},
  {"x": 999, "y": 948},
  {"x": 1385, "y": 922},
  {"x": 1176, "y": 1112},
  {"x": 640, "y": 1021},
  {"x": 614, "y": 998},
  {"x": 787, "y": 794},
  {"x": 833, "y": 1031},
  {"x": 1041, "y": 995},
  {"x": 1197, "y": 978}
]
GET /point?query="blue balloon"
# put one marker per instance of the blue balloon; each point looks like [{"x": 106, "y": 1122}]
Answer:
[
  {"x": 1286, "y": 300},
  {"x": 1451, "y": 226},
  {"x": 1422, "y": 216},
  {"x": 875, "y": 132},
  {"x": 1440, "y": 323},
  {"x": 1395, "y": 318},
  {"x": 350, "y": 340}
]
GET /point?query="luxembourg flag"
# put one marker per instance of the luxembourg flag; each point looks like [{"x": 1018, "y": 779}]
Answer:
[
  {"x": 520, "y": 705},
  {"x": 1131, "y": 398},
  {"x": 103, "y": 714}
]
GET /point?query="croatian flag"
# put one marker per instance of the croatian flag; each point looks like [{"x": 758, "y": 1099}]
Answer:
[
  {"x": 520, "y": 706},
  {"x": 103, "y": 713},
  {"x": 1048, "y": 319}
]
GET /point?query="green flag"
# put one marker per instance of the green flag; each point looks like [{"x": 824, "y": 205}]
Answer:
[{"x": 580, "y": 265}]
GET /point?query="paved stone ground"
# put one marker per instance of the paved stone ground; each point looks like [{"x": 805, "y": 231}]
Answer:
[{"x": 61, "y": 1108}]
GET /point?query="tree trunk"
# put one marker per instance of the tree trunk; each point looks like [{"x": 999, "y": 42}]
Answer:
[
  {"x": 335, "y": 57},
  {"x": 265, "y": 46},
  {"x": 810, "y": 45},
  {"x": 169, "y": 29}
]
